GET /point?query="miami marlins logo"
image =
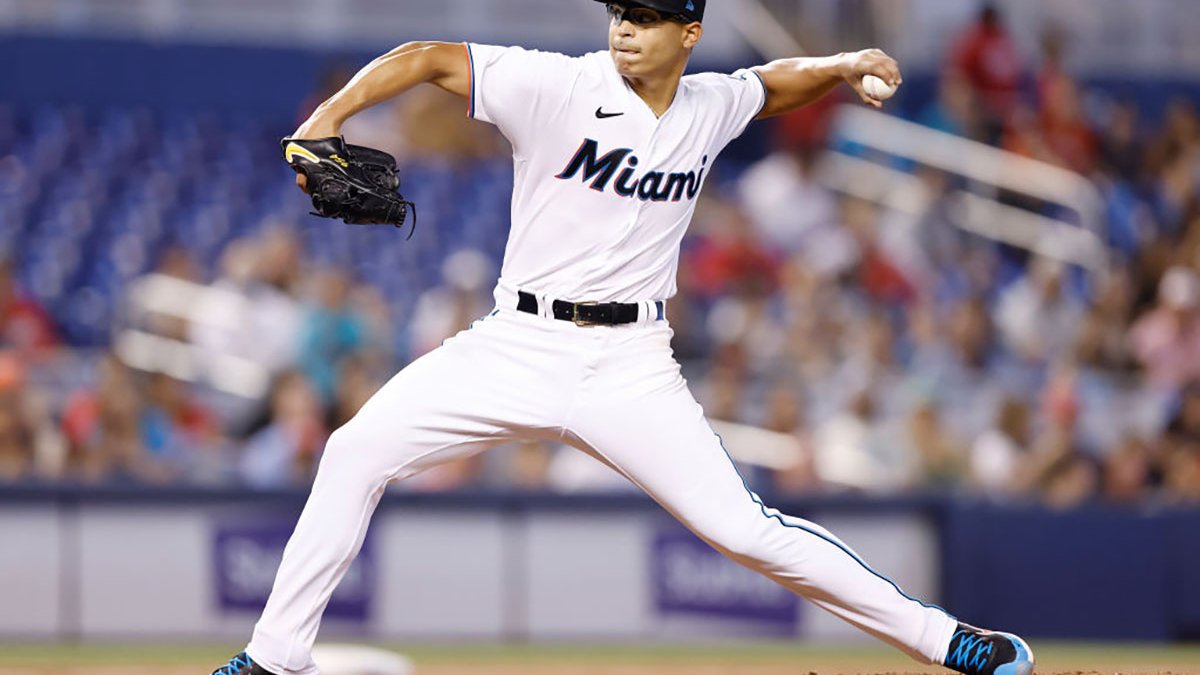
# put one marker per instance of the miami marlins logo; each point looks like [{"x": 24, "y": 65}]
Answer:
[{"x": 654, "y": 186}]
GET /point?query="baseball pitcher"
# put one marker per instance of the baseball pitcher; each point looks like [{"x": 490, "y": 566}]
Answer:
[{"x": 610, "y": 151}]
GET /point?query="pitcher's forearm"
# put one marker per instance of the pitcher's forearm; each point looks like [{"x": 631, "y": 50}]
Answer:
[
  {"x": 795, "y": 83},
  {"x": 392, "y": 74},
  {"x": 385, "y": 77}
]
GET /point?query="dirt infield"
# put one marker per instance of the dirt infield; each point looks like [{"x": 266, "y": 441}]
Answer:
[{"x": 745, "y": 659}]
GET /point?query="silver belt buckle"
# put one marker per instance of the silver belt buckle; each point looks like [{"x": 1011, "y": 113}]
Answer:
[{"x": 575, "y": 318}]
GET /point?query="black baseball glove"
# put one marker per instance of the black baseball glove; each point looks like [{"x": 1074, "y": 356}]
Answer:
[{"x": 355, "y": 183}]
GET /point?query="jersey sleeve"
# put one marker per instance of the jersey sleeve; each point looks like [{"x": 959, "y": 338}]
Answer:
[
  {"x": 738, "y": 98},
  {"x": 516, "y": 89}
]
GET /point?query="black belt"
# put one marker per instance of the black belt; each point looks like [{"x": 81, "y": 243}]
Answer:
[{"x": 587, "y": 313}]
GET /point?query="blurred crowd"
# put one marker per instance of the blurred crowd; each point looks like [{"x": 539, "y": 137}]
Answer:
[
  {"x": 907, "y": 354},
  {"x": 900, "y": 353}
]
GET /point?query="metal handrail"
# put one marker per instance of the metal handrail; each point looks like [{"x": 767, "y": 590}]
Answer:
[
  {"x": 165, "y": 296},
  {"x": 987, "y": 170}
]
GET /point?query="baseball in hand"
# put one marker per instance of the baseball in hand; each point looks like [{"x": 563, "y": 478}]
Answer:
[{"x": 876, "y": 88}]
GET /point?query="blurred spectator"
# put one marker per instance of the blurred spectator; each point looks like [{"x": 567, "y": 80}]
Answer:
[
  {"x": 1121, "y": 148},
  {"x": 255, "y": 314},
  {"x": 104, "y": 432},
  {"x": 1149, "y": 265},
  {"x": 1127, "y": 472},
  {"x": 1104, "y": 422},
  {"x": 932, "y": 245},
  {"x": 869, "y": 360},
  {"x": 850, "y": 452},
  {"x": 380, "y": 351},
  {"x": 1072, "y": 479},
  {"x": 1179, "y": 133},
  {"x": 529, "y": 464},
  {"x": 175, "y": 263},
  {"x": 16, "y": 443},
  {"x": 465, "y": 295},
  {"x": 999, "y": 451},
  {"x": 1102, "y": 332},
  {"x": 30, "y": 447},
  {"x": 967, "y": 366},
  {"x": 356, "y": 383},
  {"x": 17, "y": 453},
  {"x": 1022, "y": 134},
  {"x": 285, "y": 452},
  {"x": 1056, "y": 471},
  {"x": 1182, "y": 482},
  {"x": 24, "y": 324},
  {"x": 807, "y": 127},
  {"x": 723, "y": 391},
  {"x": 747, "y": 320},
  {"x": 1175, "y": 189},
  {"x": 953, "y": 347},
  {"x": 727, "y": 257},
  {"x": 813, "y": 312},
  {"x": 180, "y": 432},
  {"x": 786, "y": 206},
  {"x": 1183, "y": 428},
  {"x": 940, "y": 459},
  {"x": 1179, "y": 454},
  {"x": 1036, "y": 315},
  {"x": 224, "y": 322},
  {"x": 786, "y": 414},
  {"x": 331, "y": 332},
  {"x": 880, "y": 274},
  {"x": 955, "y": 110},
  {"x": 1066, "y": 130},
  {"x": 276, "y": 309},
  {"x": 1188, "y": 248},
  {"x": 1052, "y": 68},
  {"x": 1166, "y": 340},
  {"x": 986, "y": 56}
]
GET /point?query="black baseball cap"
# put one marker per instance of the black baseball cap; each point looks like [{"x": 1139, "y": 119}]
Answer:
[{"x": 692, "y": 10}]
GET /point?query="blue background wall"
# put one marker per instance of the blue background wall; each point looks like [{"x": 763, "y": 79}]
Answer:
[{"x": 1097, "y": 572}]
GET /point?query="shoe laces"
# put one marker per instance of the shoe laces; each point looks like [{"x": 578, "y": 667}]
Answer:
[
  {"x": 235, "y": 665},
  {"x": 970, "y": 650}
]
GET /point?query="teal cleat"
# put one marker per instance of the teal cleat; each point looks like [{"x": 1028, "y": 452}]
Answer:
[
  {"x": 975, "y": 651},
  {"x": 241, "y": 665}
]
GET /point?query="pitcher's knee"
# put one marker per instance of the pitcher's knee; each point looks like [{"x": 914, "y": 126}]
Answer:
[
  {"x": 745, "y": 540},
  {"x": 340, "y": 447},
  {"x": 348, "y": 455}
]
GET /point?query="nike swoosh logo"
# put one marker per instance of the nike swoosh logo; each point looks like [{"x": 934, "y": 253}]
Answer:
[
  {"x": 601, "y": 115},
  {"x": 294, "y": 150}
]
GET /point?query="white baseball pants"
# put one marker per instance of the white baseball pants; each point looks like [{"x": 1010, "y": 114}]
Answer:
[{"x": 613, "y": 391}]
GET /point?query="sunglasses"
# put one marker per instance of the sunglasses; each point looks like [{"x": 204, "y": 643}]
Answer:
[{"x": 640, "y": 16}]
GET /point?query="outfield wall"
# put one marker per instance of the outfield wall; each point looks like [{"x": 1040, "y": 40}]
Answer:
[{"x": 198, "y": 565}]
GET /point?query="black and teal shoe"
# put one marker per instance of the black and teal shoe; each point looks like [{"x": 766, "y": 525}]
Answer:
[
  {"x": 241, "y": 665},
  {"x": 975, "y": 651}
]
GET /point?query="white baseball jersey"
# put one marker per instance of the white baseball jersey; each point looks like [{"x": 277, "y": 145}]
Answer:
[
  {"x": 603, "y": 189},
  {"x": 603, "y": 193}
]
